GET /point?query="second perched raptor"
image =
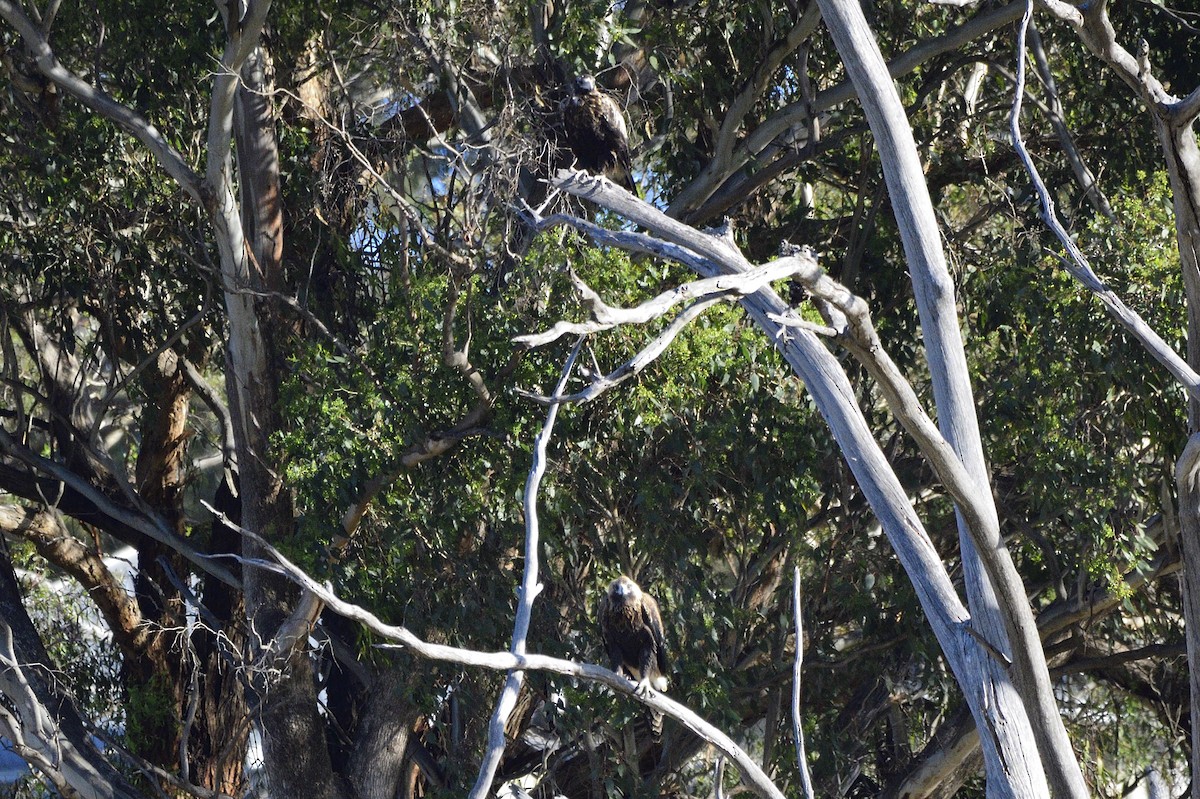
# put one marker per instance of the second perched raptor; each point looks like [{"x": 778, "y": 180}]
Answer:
[{"x": 633, "y": 636}]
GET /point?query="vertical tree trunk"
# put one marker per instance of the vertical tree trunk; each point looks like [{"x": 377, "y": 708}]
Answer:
[
  {"x": 1021, "y": 761},
  {"x": 1180, "y": 150},
  {"x": 1187, "y": 481},
  {"x": 296, "y": 760},
  {"x": 154, "y": 677}
]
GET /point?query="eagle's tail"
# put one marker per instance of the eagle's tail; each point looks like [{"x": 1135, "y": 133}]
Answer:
[
  {"x": 622, "y": 174},
  {"x": 630, "y": 186},
  {"x": 656, "y": 724}
]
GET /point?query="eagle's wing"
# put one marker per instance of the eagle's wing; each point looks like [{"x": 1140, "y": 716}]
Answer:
[
  {"x": 653, "y": 621},
  {"x": 613, "y": 118},
  {"x": 609, "y": 634}
]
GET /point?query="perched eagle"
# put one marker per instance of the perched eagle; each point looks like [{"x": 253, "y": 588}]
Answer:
[
  {"x": 633, "y": 635},
  {"x": 596, "y": 133}
]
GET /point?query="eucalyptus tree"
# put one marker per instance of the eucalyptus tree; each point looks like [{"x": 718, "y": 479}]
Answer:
[{"x": 270, "y": 280}]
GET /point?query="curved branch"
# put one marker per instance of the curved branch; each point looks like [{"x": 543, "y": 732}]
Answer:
[
  {"x": 100, "y": 101},
  {"x": 755, "y": 777},
  {"x": 55, "y": 544},
  {"x": 1187, "y": 109},
  {"x": 638, "y": 362},
  {"x": 145, "y": 524},
  {"x": 1094, "y": 28},
  {"x": 798, "y": 112},
  {"x": 722, "y": 163},
  {"x": 606, "y": 317}
]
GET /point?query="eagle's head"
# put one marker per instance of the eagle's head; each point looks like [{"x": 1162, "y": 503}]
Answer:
[
  {"x": 624, "y": 591},
  {"x": 585, "y": 84}
]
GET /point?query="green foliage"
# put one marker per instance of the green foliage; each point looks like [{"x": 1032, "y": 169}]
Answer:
[
  {"x": 709, "y": 476},
  {"x": 150, "y": 713}
]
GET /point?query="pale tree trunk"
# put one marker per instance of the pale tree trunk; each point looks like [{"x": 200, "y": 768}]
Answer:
[
  {"x": 1187, "y": 479},
  {"x": 1178, "y": 139},
  {"x": 295, "y": 756},
  {"x": 1005, "y": 621}
]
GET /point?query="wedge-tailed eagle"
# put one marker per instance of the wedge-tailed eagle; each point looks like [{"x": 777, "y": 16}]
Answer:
[
  {"x": 633, "y": 636},
  {"x": 596, "y": 133}
]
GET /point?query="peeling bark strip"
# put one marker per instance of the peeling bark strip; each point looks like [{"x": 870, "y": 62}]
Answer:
[{"x": 258, "y": 170}]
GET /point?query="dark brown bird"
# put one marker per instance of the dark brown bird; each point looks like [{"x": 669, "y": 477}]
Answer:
[
  {"x": 596, "y": 133},
  {"x": 633, "y": 636}
]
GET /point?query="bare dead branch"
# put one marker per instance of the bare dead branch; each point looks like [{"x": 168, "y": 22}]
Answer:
[
  {"x": 1187, "y": 109},
  {"x": 606, "y": 317},
  {"x": 1093, "y": 27},
  {"x": 629, "y": 241},
  {"x": 529, "y": 590},
  {"x": 638, "y": 362},
  {"x": 33, "y": 734},
  {"x": 40, "y": 720},
  {"x": 507, "y": 661},
  {"x": 797, "y": 672},
  {"x": 1076, "y": 262}
]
